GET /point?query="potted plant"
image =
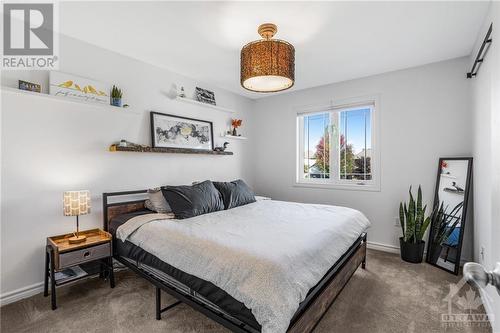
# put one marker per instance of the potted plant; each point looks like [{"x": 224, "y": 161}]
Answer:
[
  {"x": 413, "y": 224},
  {"x": 443, "y": 225},
  {"x": 116, "y": 96},
  {"x": 236, "y": 123}
]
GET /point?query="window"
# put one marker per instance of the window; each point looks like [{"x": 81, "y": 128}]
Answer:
[{"x": 336, "y": 147}]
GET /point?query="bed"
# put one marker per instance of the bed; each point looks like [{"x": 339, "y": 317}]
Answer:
[{"x": 223, "y": 264}]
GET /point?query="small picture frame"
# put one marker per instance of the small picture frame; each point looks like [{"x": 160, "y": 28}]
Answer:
[
  {"x": 29, "y": 86},
  {"x": 205, "y": 96}
]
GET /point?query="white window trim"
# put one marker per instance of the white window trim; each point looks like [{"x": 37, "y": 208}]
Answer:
[{"x": 374, "y": 184}]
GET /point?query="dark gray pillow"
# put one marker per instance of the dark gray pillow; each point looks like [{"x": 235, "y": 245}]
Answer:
[
  {"x": 235, "y": 193},
  {"x": 189, "y": 201}
]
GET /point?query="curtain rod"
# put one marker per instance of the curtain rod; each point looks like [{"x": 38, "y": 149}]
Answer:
[{"x": 480, "y": 55}]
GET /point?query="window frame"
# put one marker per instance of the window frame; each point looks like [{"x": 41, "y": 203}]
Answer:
[{"x": 336, "y": 106}]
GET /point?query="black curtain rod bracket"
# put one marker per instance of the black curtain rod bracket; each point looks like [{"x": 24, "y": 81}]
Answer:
[{"x": 481, "y": 54}]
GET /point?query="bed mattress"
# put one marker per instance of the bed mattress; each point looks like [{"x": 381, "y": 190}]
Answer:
[
  {"x": 266, "y": 255},
  {"x": 205, "y": 288}
]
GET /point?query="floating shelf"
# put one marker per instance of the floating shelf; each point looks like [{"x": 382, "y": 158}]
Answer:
[
  {"x": 453, "y": 191},
  {"x": 206, "y": 105},
  {"x": 146, "y": 149},
  {"x": 67, "y": 100},
  {"x": 445, "y": 175},
  {"x": 234, "y": 137}
]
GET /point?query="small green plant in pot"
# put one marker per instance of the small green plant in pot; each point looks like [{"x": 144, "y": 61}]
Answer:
[
  {"x": 116, "y": 96},
  {"x": 413, "y": 224}
]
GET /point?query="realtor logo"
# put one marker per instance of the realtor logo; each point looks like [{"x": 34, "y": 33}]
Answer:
[
  {"x": 464, "y": 308},
  {"x": 28, "y": 36}
]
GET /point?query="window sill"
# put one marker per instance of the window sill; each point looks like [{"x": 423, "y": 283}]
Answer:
[{"x": 345, "y": 187}]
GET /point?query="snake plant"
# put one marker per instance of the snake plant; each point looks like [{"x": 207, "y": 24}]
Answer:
[
  {"x": 444, "y": 223},
  {"x": 412, "y": 218},
  {"x": 115, "y": 92}
]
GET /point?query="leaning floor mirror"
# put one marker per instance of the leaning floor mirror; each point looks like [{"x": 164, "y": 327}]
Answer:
[{"x": 449, "y": 214}]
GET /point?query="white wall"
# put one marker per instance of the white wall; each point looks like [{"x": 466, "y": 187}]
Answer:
[
  {"x": 486, "y": 153},
  {"x": 424, "y": 114},
  {"x": 50, "y": 146}
]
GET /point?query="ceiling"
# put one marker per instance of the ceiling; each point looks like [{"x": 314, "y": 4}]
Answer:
[{"x": 334, "y": 41}]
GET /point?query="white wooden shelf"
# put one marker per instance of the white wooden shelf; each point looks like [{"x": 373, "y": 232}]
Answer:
[
  {"x": 445, "y": 175},
  {"x": 206, "y": 105},
  {"x": 67, "y": 100},
  {"x": 234, "y": 137}
]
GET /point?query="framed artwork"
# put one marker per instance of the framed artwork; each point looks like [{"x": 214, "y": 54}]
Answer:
[
  {"x": 205, "y": 96},
  {"x": 25, "y": 85},
  {"x": 77, "y": 87},
  {"x": 170, "y": 131}
]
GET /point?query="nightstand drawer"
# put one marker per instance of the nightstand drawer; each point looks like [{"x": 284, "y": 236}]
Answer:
[{"x": 84, "y": 255}]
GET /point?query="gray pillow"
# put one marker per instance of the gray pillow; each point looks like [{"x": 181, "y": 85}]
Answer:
[
  {"x": 156, "y": 201},
  {"x": 235, "y": 193},
  {"x": 189, "y": 201}
]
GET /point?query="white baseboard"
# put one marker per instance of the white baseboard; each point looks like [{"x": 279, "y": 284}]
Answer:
[
  {"x": 18, "y": 294},
  {"x": 383, "y": 247}
]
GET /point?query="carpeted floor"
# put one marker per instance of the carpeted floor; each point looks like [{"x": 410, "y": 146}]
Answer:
[{"x": 389, "y": 296}]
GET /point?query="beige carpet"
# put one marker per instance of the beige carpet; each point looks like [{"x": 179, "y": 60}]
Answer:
[{"x": 389, "y": 296}]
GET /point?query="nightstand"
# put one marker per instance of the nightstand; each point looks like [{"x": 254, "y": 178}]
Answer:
[{"x": 66, "y": 263}]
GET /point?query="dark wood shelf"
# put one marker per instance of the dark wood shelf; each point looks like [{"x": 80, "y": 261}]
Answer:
[{"x": 145, "y": 149}]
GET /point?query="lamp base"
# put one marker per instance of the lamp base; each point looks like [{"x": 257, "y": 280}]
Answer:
[{"x": 77, "y": 239}]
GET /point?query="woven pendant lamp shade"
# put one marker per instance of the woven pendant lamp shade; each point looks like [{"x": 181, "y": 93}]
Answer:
[{"x": 267, "y": 65}]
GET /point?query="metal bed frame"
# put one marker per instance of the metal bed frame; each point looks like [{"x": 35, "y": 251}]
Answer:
[{"x": 310, "y": 311}]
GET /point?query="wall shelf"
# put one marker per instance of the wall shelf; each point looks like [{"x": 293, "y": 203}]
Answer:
[
  {"x": 205, "y": 105},
  {"x": 234, "y": 137},
  {"x": 67, "y": 100},
  {"x": 146, "y": 149}
]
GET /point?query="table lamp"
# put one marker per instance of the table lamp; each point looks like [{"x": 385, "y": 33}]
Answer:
[{"x": 76, "y": 203}]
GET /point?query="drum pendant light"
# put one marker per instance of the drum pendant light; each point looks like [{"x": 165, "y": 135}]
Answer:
[{"x": 267, "y": 65}]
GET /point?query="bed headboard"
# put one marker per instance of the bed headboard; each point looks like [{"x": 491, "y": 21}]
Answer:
[{"x": 118, "y": 207}]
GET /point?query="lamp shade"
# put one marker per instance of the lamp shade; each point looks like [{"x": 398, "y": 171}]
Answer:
[
  {"x": 267, "y": 65},
  {"x": 76, "y": 203}
]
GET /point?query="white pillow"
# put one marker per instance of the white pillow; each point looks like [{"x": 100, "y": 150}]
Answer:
[{"x": 156, "y": 201}]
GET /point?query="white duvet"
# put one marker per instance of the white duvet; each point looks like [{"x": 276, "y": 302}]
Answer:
[{"x": 267, "y": 254}]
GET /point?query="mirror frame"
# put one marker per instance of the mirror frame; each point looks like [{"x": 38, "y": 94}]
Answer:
[{"x": 463, "y": 218}]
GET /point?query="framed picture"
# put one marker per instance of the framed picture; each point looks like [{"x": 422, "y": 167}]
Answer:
[
  {"x": 77, "y": 87},
  {"x": 171, "y": 131},
  {"x": 205, "y": 96},
  {"x": 25, "y": 85}
]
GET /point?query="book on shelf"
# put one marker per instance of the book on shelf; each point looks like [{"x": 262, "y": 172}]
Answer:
[{"x": 69, "y": 274}]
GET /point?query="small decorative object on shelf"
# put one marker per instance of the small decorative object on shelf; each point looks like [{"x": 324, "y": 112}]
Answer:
[
  {"x": 116, "y": 96},
  {"x": 454, "y": 188},
  {"x": 124, "y": 143},
  {"x": 182, "y": 94},
  {"x": 444, "y": 165},
  {"x": 205, "y": 96},
  {"x": 76, "y": 87},
  {"x": 76, "y": 203},
  {"x": 235, "y": 123},
  {"x": 223, "y": 148},
  {"x": 24, "y": 85}
]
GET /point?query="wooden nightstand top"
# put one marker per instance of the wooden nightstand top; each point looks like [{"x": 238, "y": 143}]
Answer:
[{"x": 61, "y": 244}]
